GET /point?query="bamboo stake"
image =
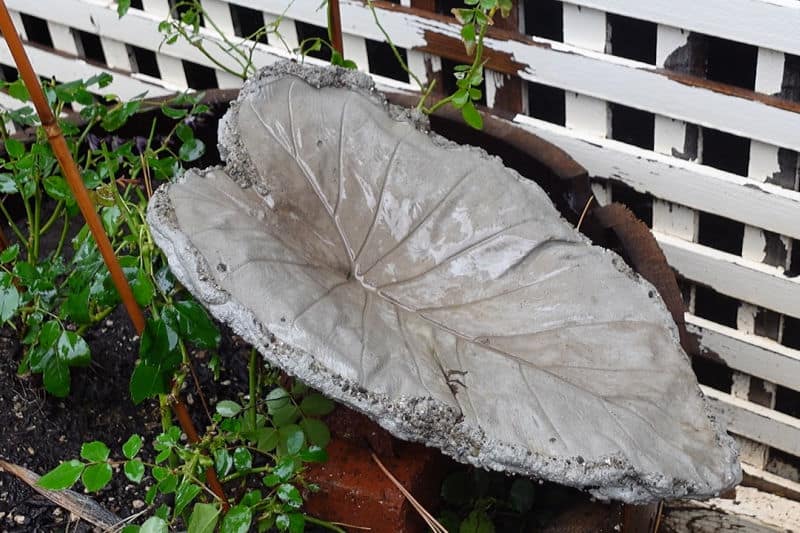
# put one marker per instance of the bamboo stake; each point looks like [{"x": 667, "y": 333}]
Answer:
[
  {"x": 335, "y": 20},
  {"x": 73, "y": 178}
]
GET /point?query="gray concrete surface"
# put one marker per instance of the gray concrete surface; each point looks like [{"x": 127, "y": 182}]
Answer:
[{"x": 430, "y": 287}]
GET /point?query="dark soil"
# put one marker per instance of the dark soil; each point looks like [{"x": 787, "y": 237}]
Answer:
[{"x": 39, "y": 430}]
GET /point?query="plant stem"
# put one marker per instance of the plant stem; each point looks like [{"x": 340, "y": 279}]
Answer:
[
  {"x": 12, "y": 225},
  {"x": 63, "y": 237},
  {"x": 324, "y": 523},
  {"x": 37, "y": 221},
  {"x": 53, "y": 216},
  {"x": 252, "y": 369}
]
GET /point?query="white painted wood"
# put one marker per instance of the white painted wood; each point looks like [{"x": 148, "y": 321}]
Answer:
[
  {"x": 159, "y": 8},
  {"x": 732, "y": 275},
  {"x": 575, "y": 69},
  {"x": 171, "y": 70},
  {"x": 768, "y": 23},
  {"x": 755, "y": 422},
  {"x": 17, "y": 19},
  {"x": 62, "y": 67},
  {"x": 416, "y": 64},
  {"x": 690, "y": 184},
  {"x": 288, "y": 40},
  {"x": 116, "y": 53},
  {"x": 62, "y": 37},
  {"x": 769, "y": 482},
  {"x": 751, "y": 354},
  {"x": 226, "y": 80},
  {"x": 355, "y": 49},
  {"x": 585, "y": 28},
  {"x": 220, "y": 12}
]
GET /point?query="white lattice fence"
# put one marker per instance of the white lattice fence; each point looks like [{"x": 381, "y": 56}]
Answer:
[{"x": 689, "y": 112}]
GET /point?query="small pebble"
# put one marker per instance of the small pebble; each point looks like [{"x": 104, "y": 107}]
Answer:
[
  {"x": 31, "y": 451},
  {"x": 2, "y": 515},
  {"x": 19, "y": 519},
  {"x": 57, "y": 511},
  {"x": 137, "y": 504},
  {"x": 109, "y": 322}
]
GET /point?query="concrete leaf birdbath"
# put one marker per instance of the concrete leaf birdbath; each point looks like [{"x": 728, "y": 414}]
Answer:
[{"x": 425, "y": 284}]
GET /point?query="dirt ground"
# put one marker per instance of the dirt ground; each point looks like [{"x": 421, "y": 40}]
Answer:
[{"x": 38, "y": 430}]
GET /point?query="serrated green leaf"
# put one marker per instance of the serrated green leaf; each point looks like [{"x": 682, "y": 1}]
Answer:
[
  {"x": 134, "y": 470},
  {"x": 8, "y": 184},
  {"x": 142, "y": 288},
  {"x": 277, "y": 398},
  {"x": 17, "y": 89},
  {"x": 472, "y": 116},
  {"x": 122, "y": 7},
  {"x": 292, "y": 438},
  {"x": 132, "y": 446},
  {"x": 477, "y": 522},
  {"x": 316, "y": 404},
  {"x": 223, "y": 462},
  {"x": 237, "y": 520},
  {"x": 95, "y": 451},
  {"x": 242, "y": 459},
  {"x": 314, "y": 454},
  {"x": 204, "y": 518},
  {"x": 154, "y": 524},
  {"x": 10, "y": 253},
  {"x": 286, "y": 468},
  {"x": 63, "y": 476},
  {"x": 267, "y": 439},
  {"x": 147, "y": 381},
  {"x": 193, "y": 324},
  {"x": 228, "y": 408},
  {"x": 184, "y": 495},
  {"x": 14, "y": 148},
  {"x": 174, "y": 113},
  {"x": 96, "y": 476},
  {"x": 55, "y": 377},
  {"x": 316, "y": 431},
  {"x": 290, "y": 495},
  {"x": 9, "y": 302},
  {"x": 73, "y": 349}
]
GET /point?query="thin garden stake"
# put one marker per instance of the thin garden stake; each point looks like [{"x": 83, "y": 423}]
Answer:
[
  {"x": 73, "y": 177},
  {"x": 335, "y": 22},
  {"x": 68, "y": 166}
]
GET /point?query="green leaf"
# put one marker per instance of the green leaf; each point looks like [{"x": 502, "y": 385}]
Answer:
[
  {"x": 223, "y": 462},
  {"x": 10, "y": 253},
  {"x": 154, "y": 524},
  {"x": 228, "y": 408},
  {"x": 7, "y": 184},
  {"x": 457, "y": 488},
  {"x": 522, "y": 495},
  {"x": 132, "y": 446},
  {"x": 252, "y": 498},
  {"x": 9, "y": 302},
  {"x": 14, "y": 148},
  {"x": 95, "y": 451},
  {"x": 472, "y": 116},
  {"x": 134, "y": 470},
  {"x": 63, "y": 476},
  {"x": 96, "y": 476},
  {"x": 168, "y": 484},
  {"x": 73, "y": 349},
  {"x": 122, "y": 7},
  {"x": 314, "y": 454},
  {"x": 173, "y": 113},
  {"x": 192, "y": 150},
  {"x": 55, "y": 377},
  {"x": 267, "y": 439},
  {"x": 292, "y": 438},
  {"x": 286, "y": 468},
  {"x": 18, "y": 90},
  {"x": 316, "y": 404},
  {"x": 290, "y": 495},
  {"x": 237, "y": 520},
  {"x": 57, "y": 188},
  {"x": 477, "y": 522},
  {"x": 184, "y": 495},
  {"x": 242, "y": 459},
  {"x": 142, "y": 287},
  {"x": 193, "y": 324},
  {"x": 204, "y": 518},
  {"x": 317, "y": 431},
  {"x": 147, "y": 381},
  {"x": 293, "y": 522},
  {"x": 277, "y": 398},
  {"x": 76, "y": 306},
  {"x": 118, "y": 116}
]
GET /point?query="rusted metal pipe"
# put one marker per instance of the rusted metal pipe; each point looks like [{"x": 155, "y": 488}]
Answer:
[{"x": 73, "y": 178}]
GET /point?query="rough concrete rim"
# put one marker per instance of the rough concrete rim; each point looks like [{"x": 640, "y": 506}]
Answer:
[{"x": 611, "y": 477}]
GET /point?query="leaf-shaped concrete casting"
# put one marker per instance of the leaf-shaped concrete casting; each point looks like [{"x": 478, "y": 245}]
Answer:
[{"x": 432, "y": 288}]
